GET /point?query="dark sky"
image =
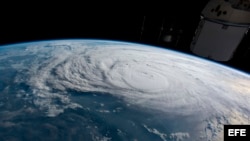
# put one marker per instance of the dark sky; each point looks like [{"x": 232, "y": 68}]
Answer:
[
  {"x": 32, "y": 26},
  {"x": 109, "y": 27},
  {"x": 183, "y": 18}
]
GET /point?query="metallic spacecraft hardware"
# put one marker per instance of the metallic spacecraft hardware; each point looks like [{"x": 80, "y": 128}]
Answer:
[{"x": 222, "y": 27}]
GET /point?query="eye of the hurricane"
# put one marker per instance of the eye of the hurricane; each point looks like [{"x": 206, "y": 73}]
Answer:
[{"x": 140, "y": 76}]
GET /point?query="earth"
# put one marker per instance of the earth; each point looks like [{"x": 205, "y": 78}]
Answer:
[{"x": 99, "y": 90}]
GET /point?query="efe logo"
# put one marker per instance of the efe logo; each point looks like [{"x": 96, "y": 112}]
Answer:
[{"x": 237, "y": 132}]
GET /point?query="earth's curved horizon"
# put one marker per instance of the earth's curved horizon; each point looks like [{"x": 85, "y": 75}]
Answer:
[{"x": 104, "y": 90}]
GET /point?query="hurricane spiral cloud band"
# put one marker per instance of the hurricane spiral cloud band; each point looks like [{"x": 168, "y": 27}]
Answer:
[{"x": 143, "y": 76}]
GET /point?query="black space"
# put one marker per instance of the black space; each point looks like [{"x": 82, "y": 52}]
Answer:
[{"x": 182, "y": 19}]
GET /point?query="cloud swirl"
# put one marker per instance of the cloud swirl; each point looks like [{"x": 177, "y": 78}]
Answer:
[{"x": 150, "y": 77}]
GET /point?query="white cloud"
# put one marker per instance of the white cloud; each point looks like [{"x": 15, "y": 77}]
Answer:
[
  {"x": 163, "y": 136},
  {"x": 179, "y": 136}
]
